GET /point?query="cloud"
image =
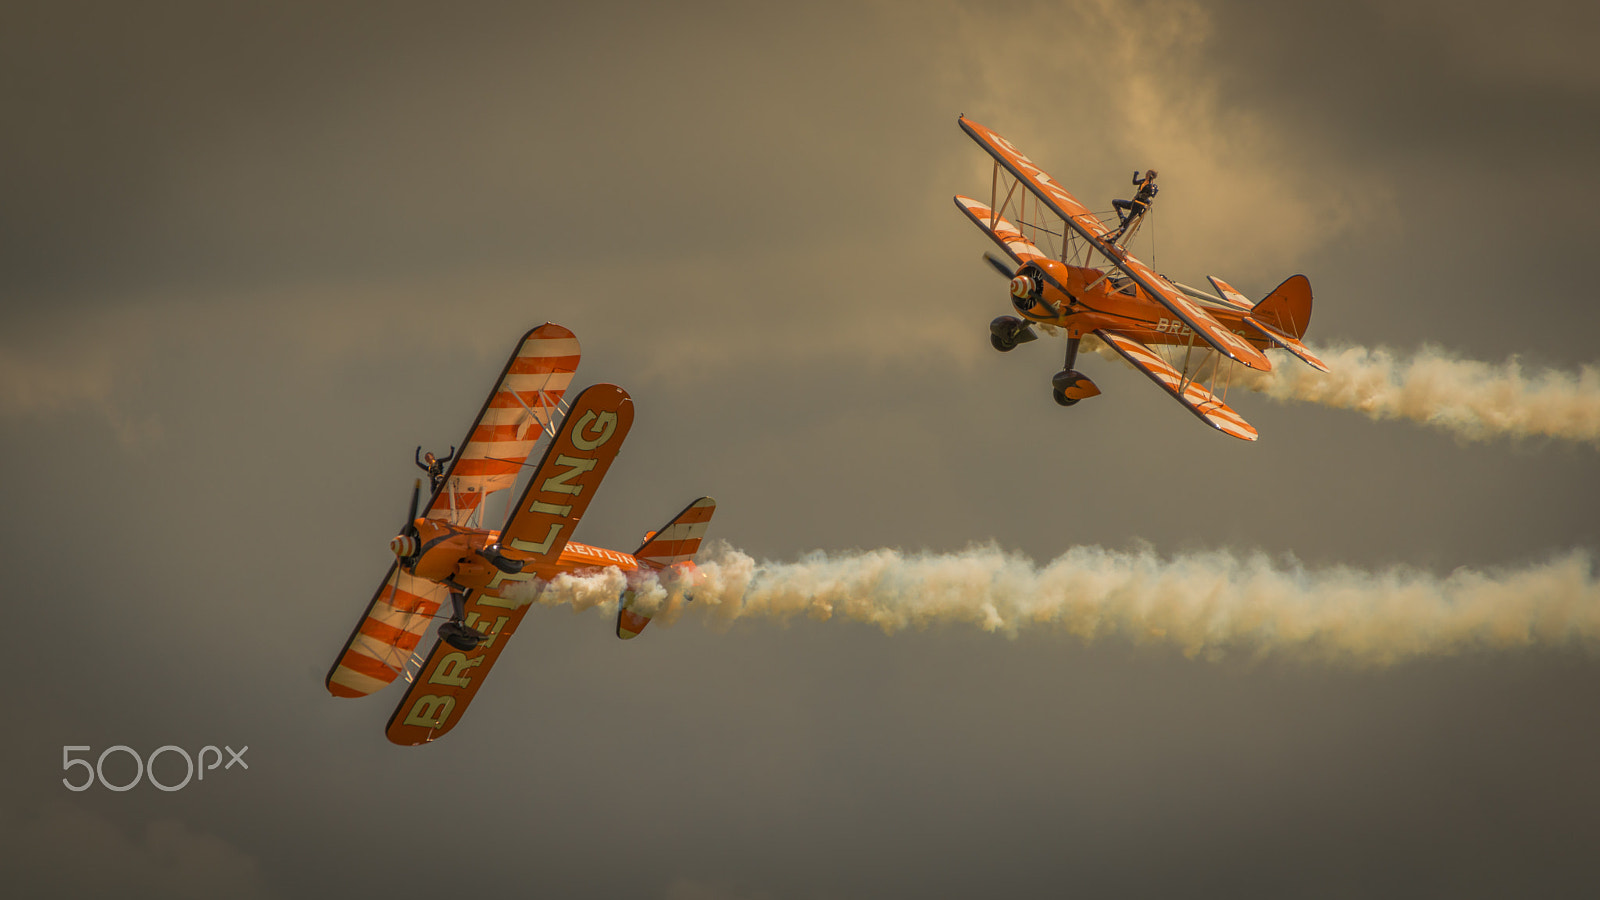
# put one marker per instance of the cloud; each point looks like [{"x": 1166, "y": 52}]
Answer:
[
  {"x": 1093, "y": 89},
  {"x": 69, "y": 852},
  {"x": 78, "y": 364}
]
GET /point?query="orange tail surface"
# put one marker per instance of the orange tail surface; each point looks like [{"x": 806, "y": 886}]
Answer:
[
  {"x": 1288, "y": 307},
  {"x": 674, "y": 545}
]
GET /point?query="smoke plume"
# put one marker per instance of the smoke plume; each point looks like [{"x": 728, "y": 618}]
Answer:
[
  {"x": 1473, "y": 400},
  {"x": 1206, "y": 604}
]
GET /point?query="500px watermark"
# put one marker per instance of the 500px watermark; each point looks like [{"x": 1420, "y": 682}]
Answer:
[{"x": 146, "y": 766}]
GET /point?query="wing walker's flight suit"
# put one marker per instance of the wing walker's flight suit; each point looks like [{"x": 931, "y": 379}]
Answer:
[
  {"x": 434, "y": 466},
  {"x": 1131, "y": 211}
]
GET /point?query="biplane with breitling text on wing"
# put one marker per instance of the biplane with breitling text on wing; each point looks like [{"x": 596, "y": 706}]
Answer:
[
  {"x": 490, "y": 577},
  {"x": 1184, "y": 339}
]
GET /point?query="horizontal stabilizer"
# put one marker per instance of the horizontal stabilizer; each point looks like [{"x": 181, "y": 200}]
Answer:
[
  {"x": 674, "y": 545},
  {"x": 1190, "y": 393},
  {"x": 1288, "y": 343},
  {"x": 1229, "y": 296}
]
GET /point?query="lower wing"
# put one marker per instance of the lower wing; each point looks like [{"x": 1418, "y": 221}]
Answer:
[
  {"x": 1190, "y": 393},
  {"x": 387, "y": 634},
  {"x": 1002, "y": 232}
]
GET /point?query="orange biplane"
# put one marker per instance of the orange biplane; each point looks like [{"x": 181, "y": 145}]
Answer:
[
  {"x": 1171, "y": 332},
  {"x": 491, "y": 577}
]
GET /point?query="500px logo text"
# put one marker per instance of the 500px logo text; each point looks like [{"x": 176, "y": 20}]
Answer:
[{"x": 194, "y": 766}]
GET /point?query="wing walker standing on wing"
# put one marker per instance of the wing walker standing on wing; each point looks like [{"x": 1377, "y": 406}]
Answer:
[
  {"x": 1171, "y": 332},
  {"x": 1130, "y": 213}
]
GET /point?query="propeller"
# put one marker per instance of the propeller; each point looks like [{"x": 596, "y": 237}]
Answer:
[
  {"x": 999, "y": 265},
  {"x": 407, "y": 543},
  {"x": 1023, "y": 286}
]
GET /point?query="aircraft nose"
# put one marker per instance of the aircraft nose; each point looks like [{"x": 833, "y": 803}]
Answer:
[
  {"x": 1022, "y": 287},
  {"x": 404, "y": 546}
]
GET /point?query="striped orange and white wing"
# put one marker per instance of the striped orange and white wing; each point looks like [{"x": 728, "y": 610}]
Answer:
[
  {"x": 1008, "y": 236},
  {"x": 1074, "y": 213},
  {"x": 516, "y": 414},
  {"x": 1190, "y": 393},
  {"x": 387, "y": 635}
]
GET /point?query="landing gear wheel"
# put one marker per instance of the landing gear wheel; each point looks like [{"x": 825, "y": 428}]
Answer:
[
  {"x": 460, "y": 636},
  {"x": 1006, "y": 332},
  {"x": 1069, "y": 386}
]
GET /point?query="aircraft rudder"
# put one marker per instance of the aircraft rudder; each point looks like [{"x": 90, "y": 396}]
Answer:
[{"x": 1288, "y": 307}]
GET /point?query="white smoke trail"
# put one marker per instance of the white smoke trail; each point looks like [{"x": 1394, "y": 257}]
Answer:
[
  {"x": 1206, "y": 604},
  {"x": 1474, "y": 400}
]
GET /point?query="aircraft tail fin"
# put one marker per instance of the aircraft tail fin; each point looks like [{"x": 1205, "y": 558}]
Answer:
[
  {"x": 1288, "y": 307},
  {"x": 673, "y": 547}
]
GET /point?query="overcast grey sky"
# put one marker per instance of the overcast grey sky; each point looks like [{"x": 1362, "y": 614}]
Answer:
[{"x": 251, "y": 257}]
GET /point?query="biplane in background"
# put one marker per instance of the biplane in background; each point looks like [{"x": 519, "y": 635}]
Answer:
[
  {"x": 491, "y": 577},
  {"x": 1186, "y": 340}
]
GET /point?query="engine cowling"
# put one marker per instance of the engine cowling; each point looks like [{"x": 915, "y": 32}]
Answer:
[{"x": 1035, "y": 292}]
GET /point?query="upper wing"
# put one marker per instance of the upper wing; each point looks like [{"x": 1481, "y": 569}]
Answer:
[
  {"x": 1191, "y": 394},
  {"x": 1087, "y": 225},
  {"x": 1075, "y": 214},
  {"x": 386, "y": 635},
  {"x": 559, "y": 492},
  {"x": 1007, "y": 235},
  {"x": 515, "y": 415}
]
